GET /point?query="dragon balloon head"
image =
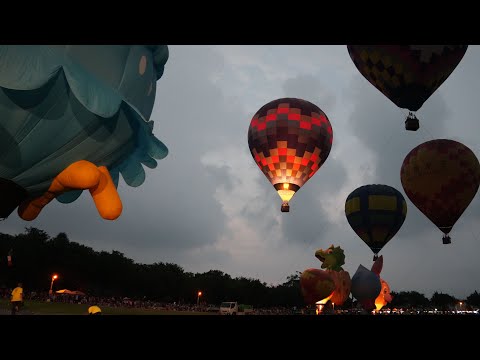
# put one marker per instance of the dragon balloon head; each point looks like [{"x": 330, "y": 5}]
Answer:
[{"x": 332, "y": 258}]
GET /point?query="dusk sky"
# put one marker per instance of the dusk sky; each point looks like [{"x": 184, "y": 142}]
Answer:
[{"x": 207, "y": 206}]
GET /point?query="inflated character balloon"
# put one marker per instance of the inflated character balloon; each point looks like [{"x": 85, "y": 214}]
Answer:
[
  {"x": 375, "y": 213},
  {"x": 332, "y": 260},
  {"x": 332, "y": 284},
  {"x": 72, "y": 118},
  {"x": 407, "y": 74},
  {"x": 289, "y": 140},
  {"x": 316, "y": 285},
  {"x": 366, "y": 287},
  {"x": 384, "y": 297},
  {"x": 441, "y": 178}
]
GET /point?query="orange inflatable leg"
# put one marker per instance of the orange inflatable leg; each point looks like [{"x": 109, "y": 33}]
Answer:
[
  {"x": 80, "y": 175},
  {"x": 106, "y": 197}
]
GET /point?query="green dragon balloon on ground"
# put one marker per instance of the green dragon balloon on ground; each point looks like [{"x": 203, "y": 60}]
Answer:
[{"x": 332, "y": 260}]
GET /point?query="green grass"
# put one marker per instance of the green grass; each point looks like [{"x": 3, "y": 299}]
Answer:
[{"x": 46, "y": 308}]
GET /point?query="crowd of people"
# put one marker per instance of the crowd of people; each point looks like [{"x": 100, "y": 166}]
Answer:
[
  {"x": 124, "y": 302},
  {"x": 17, "y": 296}
]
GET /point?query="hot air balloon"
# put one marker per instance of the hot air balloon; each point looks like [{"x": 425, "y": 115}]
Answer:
[
  {"x": 441, "y": 178},
  {"x": 384, "y": 297},
  {"x": 366, "y": 286},
  {"x": 332, "y": 260},
  {"x": 407, "y": 74},
  {"x": 376, "y": 213},
  {"x": 289, "y": 139},
  {"x": 332, "y": 284},
  {"x": 316, "y": 285},
  {"x": 72, "y": 118}
]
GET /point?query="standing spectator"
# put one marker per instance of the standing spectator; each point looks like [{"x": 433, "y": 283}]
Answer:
[{"x": 17, "y": 298}]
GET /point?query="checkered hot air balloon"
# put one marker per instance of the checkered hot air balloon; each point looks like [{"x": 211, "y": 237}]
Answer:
[
  {"x": 376, "y": 213},
  {"x": 407, "y": 74},
  {"x": 289, "y": 139},
  {"x": 441, "y": 178}
]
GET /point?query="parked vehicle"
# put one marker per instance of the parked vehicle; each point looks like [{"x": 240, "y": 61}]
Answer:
[{"x": 233, "y": 308}]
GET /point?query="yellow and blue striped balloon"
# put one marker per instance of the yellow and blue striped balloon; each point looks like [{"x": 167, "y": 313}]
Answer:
[{"x": 376, "y": 213}]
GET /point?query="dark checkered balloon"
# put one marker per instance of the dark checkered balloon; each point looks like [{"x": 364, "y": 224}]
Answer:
[
  {"x": 290, "y": 139},
  {"x": 407, "y": 74}
]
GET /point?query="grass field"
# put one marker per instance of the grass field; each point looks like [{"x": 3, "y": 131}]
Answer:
[{"x": 46, "y": 308}]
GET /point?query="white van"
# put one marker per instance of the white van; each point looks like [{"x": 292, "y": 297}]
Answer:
[
  {"x": 233, "y": 308},
  {"x": 229, "y": 308}
]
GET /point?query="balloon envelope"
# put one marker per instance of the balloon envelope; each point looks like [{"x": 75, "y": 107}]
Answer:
[
  {"x": 375, "y": 213},
  {"x": 384, "y": 297},
  {"x": 60, "y": 104},
  {"x": 406, "y": 74},
  {"x": 366, "y": 284},
  {"x": 441, "y": 178},
  {"x": 316, "y": 285},
  {"x": 289, "y": 140}
]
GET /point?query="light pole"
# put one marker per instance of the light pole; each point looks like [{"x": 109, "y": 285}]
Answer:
[
  {"x": 54, "y": 277},
  {"x": 198, "y": 297}
]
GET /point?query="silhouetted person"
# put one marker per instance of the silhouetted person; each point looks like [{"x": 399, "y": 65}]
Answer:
[{"x": 16, "y": 299}]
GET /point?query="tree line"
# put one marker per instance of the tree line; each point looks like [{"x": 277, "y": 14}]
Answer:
[{"x": 36, "y": 256}]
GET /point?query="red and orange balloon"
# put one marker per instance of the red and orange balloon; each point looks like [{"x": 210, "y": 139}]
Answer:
[{"x": 289, "y": 139}]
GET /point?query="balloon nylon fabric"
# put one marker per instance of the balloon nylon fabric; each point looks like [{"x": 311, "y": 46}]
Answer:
[
  {"x": 441, "y": 178},
  {"x": 376, "y": 213},
  {"x": 290, "y": 139},
  {"x": 64, "y": 103},
  {"x": 407, "y": 74}
]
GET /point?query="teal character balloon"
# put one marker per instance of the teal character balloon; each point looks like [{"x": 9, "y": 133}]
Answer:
[{"x": 73, "y": 118}]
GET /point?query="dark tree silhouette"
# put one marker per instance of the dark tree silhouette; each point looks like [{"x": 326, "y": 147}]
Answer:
[
  {"x": 443, "y": 302},
  {"x": 36, "y": 256},
  {"x": 409, "y": 299},
  {"x": 474, "y": 299}
]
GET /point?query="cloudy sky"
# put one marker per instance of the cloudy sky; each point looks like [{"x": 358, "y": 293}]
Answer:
[{"x": 208, "y": 206}]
